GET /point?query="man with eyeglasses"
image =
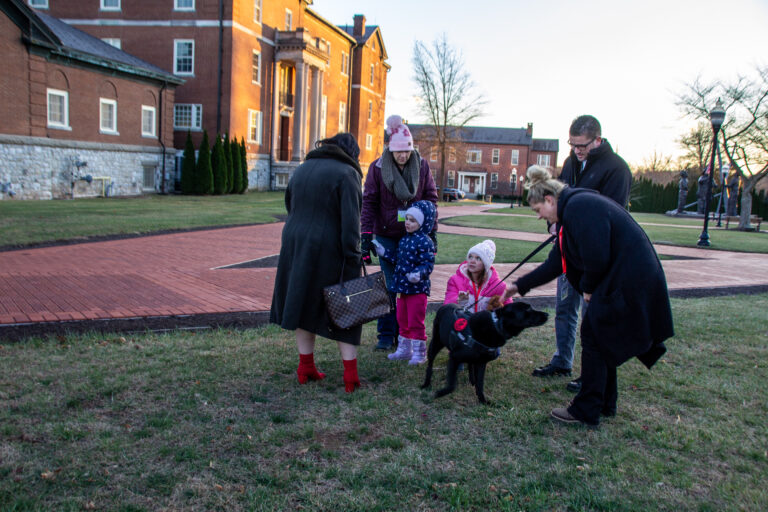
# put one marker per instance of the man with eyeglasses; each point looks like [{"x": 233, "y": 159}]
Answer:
[{"x": 592, "y": 164}]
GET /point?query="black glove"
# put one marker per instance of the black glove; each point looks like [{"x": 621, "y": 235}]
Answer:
[
  {"x": 366, "y": 245},
  {"x": 433, "y": 236}
]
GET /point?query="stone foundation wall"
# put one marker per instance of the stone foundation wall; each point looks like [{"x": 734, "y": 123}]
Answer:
[{"x": 42, "y": 168}]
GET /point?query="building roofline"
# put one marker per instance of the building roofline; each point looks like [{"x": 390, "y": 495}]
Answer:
[{"x": 336, "y": 28}]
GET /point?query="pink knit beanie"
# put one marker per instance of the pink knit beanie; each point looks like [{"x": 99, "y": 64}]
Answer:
[{"x": 400, "y": 138}]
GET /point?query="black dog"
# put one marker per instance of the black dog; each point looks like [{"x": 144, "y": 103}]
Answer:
[{"x": 475, "y": 339}]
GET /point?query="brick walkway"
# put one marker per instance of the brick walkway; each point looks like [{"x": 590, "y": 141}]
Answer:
[{"x": 179, "y": 277}]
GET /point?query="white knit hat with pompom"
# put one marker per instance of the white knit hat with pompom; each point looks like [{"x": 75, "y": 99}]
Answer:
[{"x": 400, "y": 138}]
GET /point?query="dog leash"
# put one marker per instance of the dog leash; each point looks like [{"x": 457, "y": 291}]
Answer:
[{"x": 531, "y": 255}]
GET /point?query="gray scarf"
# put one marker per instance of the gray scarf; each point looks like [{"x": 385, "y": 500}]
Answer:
[{"x": 405, "y": 184}]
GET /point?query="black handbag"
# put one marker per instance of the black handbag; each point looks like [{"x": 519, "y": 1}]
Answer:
[{"x": 357, "y": 301}]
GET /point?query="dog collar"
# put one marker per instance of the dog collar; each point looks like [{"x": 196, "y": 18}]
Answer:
[{"x": 497, "y": 324}]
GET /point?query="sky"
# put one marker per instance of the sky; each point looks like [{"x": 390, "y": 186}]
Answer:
[{"x": 548, "y": 61}]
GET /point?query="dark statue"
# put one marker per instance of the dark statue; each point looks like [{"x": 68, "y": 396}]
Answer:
[
  {"x": 732, "y": 186},
  {"x": 702, "y": 193},
  {"x": 682, "y": 195}
]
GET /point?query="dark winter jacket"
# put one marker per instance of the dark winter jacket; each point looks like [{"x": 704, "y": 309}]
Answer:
[
  {"x": 608, "y": 255},
  {"x": 605, "y": 171},
  {"x": 415, "y": 253},
  {"x": 380, "y": 206},
  {"x": 321, "y": 234}
]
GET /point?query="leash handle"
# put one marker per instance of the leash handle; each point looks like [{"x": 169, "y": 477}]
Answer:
[{"x": 531, "y": 255}]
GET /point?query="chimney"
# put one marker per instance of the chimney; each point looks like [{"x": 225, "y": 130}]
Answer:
[
  {"x": 359, "y": 29},
  {"x": 529, "y": 130}
]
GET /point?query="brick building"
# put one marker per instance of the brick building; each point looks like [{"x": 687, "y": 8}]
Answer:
[
  {"x": 486, "y": 161},
  {"x": 273, "y": 72},
  {"x": 80, "y": 117}
]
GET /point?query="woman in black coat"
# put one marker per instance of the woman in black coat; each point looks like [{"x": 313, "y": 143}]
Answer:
[
  {"x": 321, "y": 238},
  {"x": 608, "y": 258}
]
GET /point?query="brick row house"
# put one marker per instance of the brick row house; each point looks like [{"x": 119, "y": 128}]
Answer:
[
  {"x": 273, "y": 72},
  {"x": 80, "y": 117},
  {"x": 486, "y": 160}
]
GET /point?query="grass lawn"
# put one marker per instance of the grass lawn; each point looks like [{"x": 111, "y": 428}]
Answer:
[
  {"x": 215, "y": 420},
  {"x": 680, "y": 233},
  {"x": 26, "y": 222}
]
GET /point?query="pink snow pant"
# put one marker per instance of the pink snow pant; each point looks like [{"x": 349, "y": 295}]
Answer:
[{"x": 411, "y": 313}]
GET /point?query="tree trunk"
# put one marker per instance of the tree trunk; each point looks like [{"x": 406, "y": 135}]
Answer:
[{"x": 746, "y": 202}]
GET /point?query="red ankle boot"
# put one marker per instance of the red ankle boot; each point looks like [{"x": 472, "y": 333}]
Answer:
[
  {"x": 351, "y": 380},
  {"x": 307, "y": 370}
]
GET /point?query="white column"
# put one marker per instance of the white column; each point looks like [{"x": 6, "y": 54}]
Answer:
[
  {"x": 276, "y": 112},
  {"x": 299, "y": 118},
  {"x": 314, "y": 107}
]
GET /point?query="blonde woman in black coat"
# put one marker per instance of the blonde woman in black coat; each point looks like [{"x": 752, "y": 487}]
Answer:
[
  {"x": 321, "y": 238},
  {"x": 608, "y": 258}
]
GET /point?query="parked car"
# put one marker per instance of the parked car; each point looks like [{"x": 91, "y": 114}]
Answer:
[{"x": 452, "y": 194}]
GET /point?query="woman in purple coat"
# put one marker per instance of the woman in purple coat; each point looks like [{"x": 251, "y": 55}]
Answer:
[{"x": 396, "y": 180}]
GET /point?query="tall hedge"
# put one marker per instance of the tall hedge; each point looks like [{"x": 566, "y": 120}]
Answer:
[
  {"x": 219, "y": 164},
  {"x": 244, "y": 165},
  {"x": 204, "y": 182},
  {"x": 188, "y": 167},
  {"x": 228, "y": 157},
  {"x": 237, "y": 172}
]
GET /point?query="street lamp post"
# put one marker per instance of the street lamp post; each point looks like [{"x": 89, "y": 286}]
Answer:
[{"x": 716, "y": 117}]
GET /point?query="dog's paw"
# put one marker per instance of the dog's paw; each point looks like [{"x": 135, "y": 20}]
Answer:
[{"x": 495, "y": 303}]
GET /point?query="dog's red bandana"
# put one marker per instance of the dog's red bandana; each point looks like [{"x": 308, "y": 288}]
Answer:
[{"x": 460, "y": 324}]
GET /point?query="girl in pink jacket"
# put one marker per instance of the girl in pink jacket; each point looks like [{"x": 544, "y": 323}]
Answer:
[{"x": 476, "y": 283}]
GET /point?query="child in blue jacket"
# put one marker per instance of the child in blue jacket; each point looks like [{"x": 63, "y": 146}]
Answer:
[{"x": 414, "y": 262}]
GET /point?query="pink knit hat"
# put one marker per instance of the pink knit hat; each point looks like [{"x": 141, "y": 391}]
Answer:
[{"x": 400, "y": 138}]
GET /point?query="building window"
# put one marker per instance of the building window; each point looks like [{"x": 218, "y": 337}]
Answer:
[
  {"x": 256, "y": 68},
  {"x": 281, "y": 180},
  {"x": 495, "y": 157},
  {"x": 148, "y": 181},
  {"x": 451, "y": 179},
  {"x": 433, "y": 154},
  {"x": 323, "y": 116},
  {"x": 543, "y": 160},
  {"x": 368, "y": 141},
  {"x": 58, "y": 108},
  {"x": 451, "y": 154},
  {"x": 184, "y": 5},
  {"x": 108, "y": 116},
  {"x": 39, "y": 4},
  {"x": 370, "y": 110},
  {"x": 494, "y": 180},
  {"x": 288, "y": 20},
  {"x": 344, "y": 63},
  {"x": 254, "y": 126},
  {"x": 474, "y": 156},
  {"x": 110, "y": 5},
  {"x": 183, "y": 56},
  {"x": 513, "y": 181},
  {"x": 113, "y": 41},
  {"x": 373, "y": 72},
  {"x": 257, "y": 11},
  {"x": 188, "y": 117},
  {"x": 515, "y": 157},
  {"x": 342, "y": 116},
  {"x": 148, "y": 121}
]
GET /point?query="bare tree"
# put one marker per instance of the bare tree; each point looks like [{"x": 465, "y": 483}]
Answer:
[
  {"x": 744, "y": 135},
  {"x": 449, "y": 99},
  {"x": 655, "y": 162},
  {"x": 697, "y": 146}
]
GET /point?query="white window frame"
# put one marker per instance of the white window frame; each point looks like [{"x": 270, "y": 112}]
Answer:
[
  {"x": 254, "y": 126},
  {"x": 344, "y": 63},
  {"x": 176, "y": 57},
  {"x": 495, "y": 156},
  {"x": 451, "y": 179},
  {"x": 368, "y": 141},
  {"x": 342, "y": 116},
  {"x": 64, "y": 123},
  {"x": 149, "y": 111},
  {"x": 494, "y": 180},
  {"x": 433, "y": 154},
  {"x": 177, "y": 7},
  {"x": 515, "y": 158},
  {"x": 451, "y": 154},
  {"x": 474, "y": 156},
  {"x": 373, "y": 72},
  {"x": 256, "y": 69},
  {"x": 112, "y": 128},
  {"x": 195, "y": 116},
  {"x": 104, "y": 7},
  {"x": 113, "y": 41},
  {"x": 323, "y": 116},
  {"x": 281, "y": 180},
  {"x": 257, "y": 11},
  {"x": 543, "y": 160},
  {"x": 370, "y": 110},
  {"x": 288, "y": 20},
  {"x": 152, "y": 171},
  {"x": 38, "y": 4}
]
